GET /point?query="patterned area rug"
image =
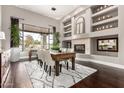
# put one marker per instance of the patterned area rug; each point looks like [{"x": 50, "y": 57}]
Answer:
[{"x": 67, "y": 78}]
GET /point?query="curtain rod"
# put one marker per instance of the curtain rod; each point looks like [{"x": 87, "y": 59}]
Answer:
[{"x": 17, "y": 17}]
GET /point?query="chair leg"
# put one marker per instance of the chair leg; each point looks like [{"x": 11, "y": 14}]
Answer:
[
  {"x": 46, "y": 68},
  {"x": 54, "y": 67},
  {"x": 60, "y": 67},
  {"x": 67, "y": 65},
  {"x": 41, "y": 63},
  {"x": 50, "y": 71},
  {"x": 65, "y": 62},
  {"x": 38, "y": 61}
]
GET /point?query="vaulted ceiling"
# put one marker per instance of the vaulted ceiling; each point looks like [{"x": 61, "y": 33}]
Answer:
[{"x": 61, "y": 10}]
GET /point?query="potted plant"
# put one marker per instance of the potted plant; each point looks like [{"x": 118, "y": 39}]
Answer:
[
  {"x": 56, "y": 41},
  {"x": 15, "y": 51}
]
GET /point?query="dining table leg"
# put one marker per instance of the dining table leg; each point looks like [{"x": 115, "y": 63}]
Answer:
[
  {"x": 57, "y": 68},
  {"x": 30, "y": 54},
  {"x": 73, "y": 63}
]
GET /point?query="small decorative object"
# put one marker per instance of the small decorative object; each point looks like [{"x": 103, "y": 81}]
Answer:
[
  {"x": 103, "y": 27},
  {"x": 105, "y": 6},
  {"x": 98, "y": 18},
  {"x": 60, "y": 51},
  {"x": 98, "y": 9},
  {"x": 114, "y": 24},
  {"x": 99, "y": 28},
  {"x": 110, "y": 26},
  {"x": 101, "y": 7},
  {"x": 2, "y": 35},
  {"x": 109, "y": 16},
  {"x": 107, "y": 27},
  {"x": 103, "y": 17}
]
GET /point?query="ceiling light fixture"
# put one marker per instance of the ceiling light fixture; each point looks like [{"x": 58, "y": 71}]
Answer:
[{"x": 53, "y": 9}]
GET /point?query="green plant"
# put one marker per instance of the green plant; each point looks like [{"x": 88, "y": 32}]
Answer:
[
  {"x": 15, "y": 35},
  {"x": 55, "y": 48},
  {"x": 56, "y": 41}
]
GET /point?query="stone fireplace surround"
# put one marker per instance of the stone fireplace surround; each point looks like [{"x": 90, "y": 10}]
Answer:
[{"x": 83, "y": 41}]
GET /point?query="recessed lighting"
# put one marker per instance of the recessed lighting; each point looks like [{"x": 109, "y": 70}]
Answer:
[{"x": 53, "y": 9}]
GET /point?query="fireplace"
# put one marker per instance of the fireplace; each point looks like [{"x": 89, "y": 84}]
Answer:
[{"x": 79, "y": 48}]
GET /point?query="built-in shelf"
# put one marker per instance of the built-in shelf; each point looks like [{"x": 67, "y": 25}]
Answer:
[
  {"x": 111, "y": 8},
  {"x": 67, "y": 27},
  {"x": 105, "y": 21},
  {"x": 104, "y": 25},
  {"x": 67, "y": 34},
  {"x": 68, "y": 31},
  {"x": 67, "y": 22},
  {"x": 67, "y": 38},
  {"x": 107, "y": 32}
]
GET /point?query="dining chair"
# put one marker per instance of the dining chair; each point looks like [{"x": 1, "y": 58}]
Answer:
[
  {"x": 69, "y": 50},
  {"x": 40, "y": 55},
  {"x": 50, "y": 63},
  {"x": 65, "y": 50}
]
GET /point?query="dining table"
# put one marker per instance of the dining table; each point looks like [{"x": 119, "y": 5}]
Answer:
[{"x": 59, "y": 57}]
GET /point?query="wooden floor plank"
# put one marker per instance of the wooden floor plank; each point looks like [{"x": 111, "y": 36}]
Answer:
[
  {"x": 21, "y": 78},
  {"x": 105, "y": 77}
]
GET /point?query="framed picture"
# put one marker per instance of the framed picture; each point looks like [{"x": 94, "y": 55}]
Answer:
[{"x": 107, "y": 44}]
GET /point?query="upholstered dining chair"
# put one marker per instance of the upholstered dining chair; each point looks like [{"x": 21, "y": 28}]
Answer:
[
  {"x": 41, "y": 59},
  {"x": 50, "y": 63},
  {"x": 69, "y": 50},
  {"x": 65, "y": 50}
]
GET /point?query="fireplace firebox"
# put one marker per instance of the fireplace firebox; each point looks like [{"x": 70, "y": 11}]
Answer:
[{"x": 79, "y": 48}]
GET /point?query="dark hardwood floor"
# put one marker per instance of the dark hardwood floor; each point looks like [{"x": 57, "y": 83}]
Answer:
[
  {"x": 20, "y": 75},
  {"x": 105, "y": 77}
]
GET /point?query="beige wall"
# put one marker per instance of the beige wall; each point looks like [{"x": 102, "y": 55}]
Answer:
[
  {"x": 29, "y": 18},
  {"x": 0, "y": 23},
  {"x": 121, "y": 34},
  {"x": 0, "y": 17}
]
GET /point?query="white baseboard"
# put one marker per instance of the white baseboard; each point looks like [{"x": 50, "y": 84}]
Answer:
[{"x": 102, "y": 62}]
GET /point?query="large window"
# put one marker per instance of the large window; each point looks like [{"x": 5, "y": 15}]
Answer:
[
  {"x": 30, "y": 40},
  {"x": 49, "y": 40}
]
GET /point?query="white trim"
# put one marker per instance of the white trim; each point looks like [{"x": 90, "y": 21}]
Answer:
[{"x": 102, "y": 62}]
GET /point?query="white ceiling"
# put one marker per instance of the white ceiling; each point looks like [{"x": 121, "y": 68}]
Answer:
[{"x": 61, "y": 10}]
